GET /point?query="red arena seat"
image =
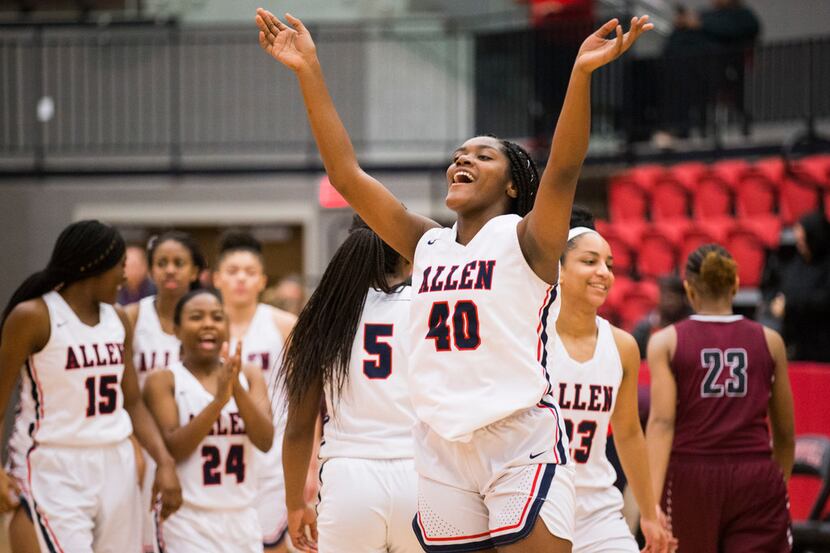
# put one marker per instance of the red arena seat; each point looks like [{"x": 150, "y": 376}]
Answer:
[
  {"x": 656, "y": 253},
  {"x": 749, "y": 250},
  {"x": 669, "y": 200},
  {"x": 712, "y": 198},
  {"x": 756, "y": 195},
  {"x": 628, "y": 200},
  {"x": 637, "y": 301}
]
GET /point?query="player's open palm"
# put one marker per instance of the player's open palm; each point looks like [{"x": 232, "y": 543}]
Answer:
[
  {"x": 292, "y": 47},
  {"x": 302, "y": 528},
  {"x": 597, "y": 50}
]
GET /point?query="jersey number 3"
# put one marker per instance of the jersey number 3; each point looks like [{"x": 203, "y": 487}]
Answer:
[
  {"x": 462, "y": 326},
  {"x": 714, "y": 360}
]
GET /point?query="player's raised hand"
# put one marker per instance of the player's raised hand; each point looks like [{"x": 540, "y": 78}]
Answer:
[
  {"x": 228, "y": 373},
  {"x": 291, "y": 46},
  {"x": 302, "y": 527},
  {"x": 9, "y": 492},
  {"x": 597, "y": 50}
]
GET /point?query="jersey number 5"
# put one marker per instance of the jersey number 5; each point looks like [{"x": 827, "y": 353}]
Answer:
[
  {"x": 713, "y": 360},
  {"x": 464, "y": 323},
  {"x": 380, "y": 367}
]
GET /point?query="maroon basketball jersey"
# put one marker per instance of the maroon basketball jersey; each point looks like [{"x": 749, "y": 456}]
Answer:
[{"x": 724, "y": 372}]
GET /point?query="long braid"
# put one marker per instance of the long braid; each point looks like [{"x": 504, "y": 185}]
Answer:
[
  {"x": 319, "y": 348},
  {"x": 524, "y": 174}
]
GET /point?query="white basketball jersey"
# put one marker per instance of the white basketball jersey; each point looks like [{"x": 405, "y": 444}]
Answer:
[
  {"x": 373, "y": 418},
  {"x": 262, "y": 346},
  {"x": 20, "y": 440},
  {"x": 218, "y": 475},
  {"x": 586, "y": 394},
  {"x": 76, "y": 379},
  {"x": 153, "y": 348},
  {"x": 478, "y": 329}
]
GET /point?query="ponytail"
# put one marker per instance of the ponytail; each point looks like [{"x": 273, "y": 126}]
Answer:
[
  {"x": 712, "y": 270},
  {"x": 320, "y": 346}
]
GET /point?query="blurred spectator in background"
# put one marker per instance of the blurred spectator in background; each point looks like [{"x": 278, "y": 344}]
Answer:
[
  {"x": 705, "y": 56},
  {"x": 137, "y": 283},
  {"x": 288, "y": 294},
  {"x": 559, "y": 27},
  {"x": 672, "y": 306},
  {"x": 798, "y": 291}
]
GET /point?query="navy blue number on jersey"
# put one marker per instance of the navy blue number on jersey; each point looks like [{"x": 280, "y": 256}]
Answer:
[
  {"x": 101, "y": 399},
  {"x": 381, "y": 366},
  {"x": 234, "y": 464},
  {"x": 586, "y": 430},
  {"x": 713, "y": 361},
  {"x": 464, "y": 323}
]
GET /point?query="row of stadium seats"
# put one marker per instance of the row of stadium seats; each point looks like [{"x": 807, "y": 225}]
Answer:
[
  {"x": 729, "y": 188},
  {"x": 655, "y": 249}
]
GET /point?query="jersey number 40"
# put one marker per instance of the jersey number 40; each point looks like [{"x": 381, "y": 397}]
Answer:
[{"x": 458, "y": 327}]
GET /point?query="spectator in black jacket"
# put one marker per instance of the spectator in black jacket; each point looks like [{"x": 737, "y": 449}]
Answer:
[{"x": 801, "y": 291}]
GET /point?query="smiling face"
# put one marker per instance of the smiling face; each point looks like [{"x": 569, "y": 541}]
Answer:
[
  {"x": 587, "y": 270},
  {"x": 202, "y": 328},
  {"x": 240, "y": 278},
  {"x": 478, "y": 177},
  {"x": 172, "y": 268}
]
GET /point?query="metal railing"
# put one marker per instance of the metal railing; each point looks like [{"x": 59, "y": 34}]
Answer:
[{"x": 168, "y": 99}]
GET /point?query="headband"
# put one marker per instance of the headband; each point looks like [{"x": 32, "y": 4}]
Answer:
[{"x": 579, "y": 231}]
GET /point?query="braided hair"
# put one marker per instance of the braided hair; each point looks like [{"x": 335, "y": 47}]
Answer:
[
  {"x": 320, "y": 345},
  {"x": 83, "y": 250},
  {"x": 711, "y": 270},
  {"x": 524, "y": 174}
]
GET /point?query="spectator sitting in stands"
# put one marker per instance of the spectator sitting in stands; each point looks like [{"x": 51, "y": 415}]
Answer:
[
  {"x": 705, "y": 57},
  {"x": 137, "y": 283},
  {"x": 672, "y": 306},
  {"x": 800, "y": 291}
]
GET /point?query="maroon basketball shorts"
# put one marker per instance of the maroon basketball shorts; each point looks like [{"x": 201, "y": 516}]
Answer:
[{"x": 726, "y": 504}]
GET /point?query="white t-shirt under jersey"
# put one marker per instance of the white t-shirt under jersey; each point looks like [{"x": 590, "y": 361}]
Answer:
[
  {"x": 587, "y": 393},
  {"x": 218, "y": 474},
  {"x": 153, "y": 348},
  {"x": 76, "y": 379},
  {"x": 373, "y": 418},
  {"x": 478, "y": 329}
]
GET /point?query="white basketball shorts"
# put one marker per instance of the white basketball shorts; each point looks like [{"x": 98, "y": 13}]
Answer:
[
  {"x": 191, "y": 530},
  {"x": 367, "y": 505},
  {"x": 491, "y": 490},
  {"x": 600, "y": 526},
  {"x": 85, "y": 499}
]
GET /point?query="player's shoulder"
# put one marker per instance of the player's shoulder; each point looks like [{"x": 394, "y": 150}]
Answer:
[
  {"x": 625, "y": 341},
  {"x": 664, "y": 338},
  {"x": 29, "y": 318},
  {"x": 283, "y": 320},
  {"x": 775, "y": 342},
  {"x": 158, "y": 381}
]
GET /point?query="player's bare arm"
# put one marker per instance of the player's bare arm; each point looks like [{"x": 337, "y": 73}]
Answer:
[
  {"x": 660, "y": 429},
  {"x": 782, "y": 420},
  {"x": 294, "y": 48},
  {"x": 543, "y": 232},
  {"x": 297, "y": 447},
  {"x": 25, "y": 331},
  {"x": 631, "y": 445},
  {"x": 166, "y": 481},
  {"x": 254, "y": 407}
]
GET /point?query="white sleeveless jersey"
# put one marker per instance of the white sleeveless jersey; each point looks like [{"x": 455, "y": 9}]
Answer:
[
  {"x": 586, "y": 394},
  {"x": 373, "y": 418},
  {"x": 20, "y": 440},
  {"x": 76, "y": 379},
  {"x": 262, "y": 347},
  {"x": 218, "y": 475},
  {"x": 152, "y": 347},
  {"x": 478, "y": 329}
]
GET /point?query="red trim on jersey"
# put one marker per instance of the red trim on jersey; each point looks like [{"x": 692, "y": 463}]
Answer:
[
  {"x": 35, "y": 506},
  {"x": 531, "y": 496},
  {"x": 556, "y": 434},
  {"x": 39, "y": 392}
]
